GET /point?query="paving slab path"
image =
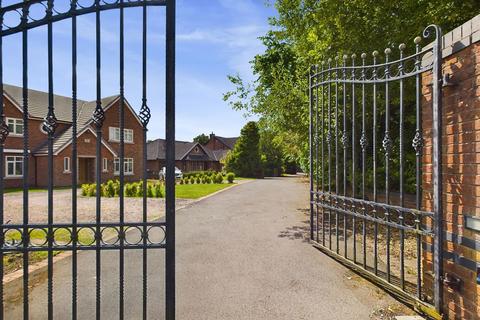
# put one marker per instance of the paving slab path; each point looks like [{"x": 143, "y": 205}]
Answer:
[{"x": 241, "y": 254}]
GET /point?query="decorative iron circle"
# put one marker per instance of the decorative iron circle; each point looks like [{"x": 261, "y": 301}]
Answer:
[{"x": 154, "y": 233}]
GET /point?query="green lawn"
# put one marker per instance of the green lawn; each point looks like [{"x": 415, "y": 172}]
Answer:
[
  {"x": 33, "y": 189},
  {"x": 195, "y": 191}
]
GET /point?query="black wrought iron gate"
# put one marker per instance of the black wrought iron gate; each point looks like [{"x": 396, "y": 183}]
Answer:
[
  {"x": 370, "y": 167},
  {"x": 150, "y": 235}
]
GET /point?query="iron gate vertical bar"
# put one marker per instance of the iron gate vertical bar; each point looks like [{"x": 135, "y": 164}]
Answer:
[
  {"x": 363, "y": 145},
  {"x": 98, "y": 118},
  {"x": 437, "y": 167},
  {"x": 329, "y": 141},
  {"x": 317, "y": 178},
  {"x": 401, "y": 172},
  {"x": 417, "y": 144},
  {"x": 337, "y": 177},
  {"x": 323, "y": 154},
  {"x": 25, "y": 239},
  {"x": 374, "y": 161},
  {"x": 344, "y": 145},
  {"x": 145, "y": 117},
  {"x": 354, "y": 230},
  {"x": 74, "y": 162},
  {"x": 387, "y": 146},
  {"x": 122, "y": 167},
  {"x": 50, "y": 125},
  {"x": 170, "y": 162},
  {"x": 310, "y": 133},
  {"x": 3, "y": 136}
]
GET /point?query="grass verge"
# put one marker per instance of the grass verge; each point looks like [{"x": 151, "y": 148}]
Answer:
[{"x": 195, "y": 191}]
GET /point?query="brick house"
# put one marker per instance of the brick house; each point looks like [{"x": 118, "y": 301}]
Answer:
[
  {"x": 62, "y": 145},
  {"x": 220, "y": 143},
  {"x": 189, "y": 156}
]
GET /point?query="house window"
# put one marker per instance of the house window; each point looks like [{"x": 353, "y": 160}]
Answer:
[
  {"x": 114, "y": 135},
  {"x": 66, "y": 164},
  {"x": 15, "y": 126},
  {"x": 104, "y": 164},
  {"x": 127, "y": 165},
  {"x": 14, "y": 166},
  {"x": 128, "y": 135}
]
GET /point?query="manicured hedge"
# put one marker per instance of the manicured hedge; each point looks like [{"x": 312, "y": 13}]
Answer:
[{"x": 111, "y": 189}]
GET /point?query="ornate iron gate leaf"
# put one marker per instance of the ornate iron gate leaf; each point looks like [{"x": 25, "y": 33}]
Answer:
[
  {"x": 366, "y": 149},
  {"x": 74, "y": 229}
]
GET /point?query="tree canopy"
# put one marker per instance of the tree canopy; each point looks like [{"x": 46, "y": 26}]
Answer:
[
  {"x": 306, "y": 32},
  {"x": 244, "y": 160},
  {"x": 201, "y": 138}
]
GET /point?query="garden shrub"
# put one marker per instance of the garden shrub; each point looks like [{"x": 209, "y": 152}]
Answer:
[
  {"x": 208, "y": 180},
  {"x": 139, "y": 189},
  {"x": 110, "y": 189},
  {"x": 116, "y": 188},
  {"x": 197, "y": 180},
  {"x": 181, "y": 181},
  {"x": 85, "y": 188},
  {"x": 230, "y": 177},
  {"x": 158, "y": 190},
  {"x": 149, "y": 191},
  {"x": 129, "y": 190},
  {"x": 218, "y": 178},
  {"x": 92, "y": 190}
]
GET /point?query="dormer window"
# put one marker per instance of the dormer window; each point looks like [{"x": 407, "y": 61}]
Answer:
[{"x": 15, "y": 126}]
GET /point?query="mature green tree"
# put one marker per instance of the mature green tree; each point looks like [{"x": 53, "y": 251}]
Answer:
[
  {"x": 201, "y": 138},
  {"x": 306, "y": 32},
  {"x": 244, "y": 160},
  {"x": 272, "y": 154}
]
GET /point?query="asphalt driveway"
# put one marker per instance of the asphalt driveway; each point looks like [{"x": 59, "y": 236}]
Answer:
[{"x": 241, "y": 254}]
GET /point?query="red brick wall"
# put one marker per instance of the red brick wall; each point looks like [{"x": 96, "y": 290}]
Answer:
[
  {"x": 18, "y": 182},
  {"x": 215, "y": 144},
  {"x": 62, "y": 178},
  {"x": 35, "y": 136},
  {"x": 461, "y": 178},
  {"x": 132, "y": 150}
]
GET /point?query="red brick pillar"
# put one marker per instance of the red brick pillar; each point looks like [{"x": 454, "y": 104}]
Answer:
[{"x": 461, "y": 170}]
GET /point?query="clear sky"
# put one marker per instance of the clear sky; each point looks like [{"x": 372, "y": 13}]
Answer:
[{"x": 214, "y": 38}]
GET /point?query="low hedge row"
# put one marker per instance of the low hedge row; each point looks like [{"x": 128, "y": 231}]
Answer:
[
  {"x": 206, "y": 178},
  {"x": 111, "y": 189}
]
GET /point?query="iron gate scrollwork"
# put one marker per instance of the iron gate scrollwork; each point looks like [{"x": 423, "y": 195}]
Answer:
[
  {"x": 152, "y": 234},
  {"x": 367, "y": 169}
]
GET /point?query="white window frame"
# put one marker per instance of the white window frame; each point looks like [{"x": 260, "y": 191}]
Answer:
[
  {"x": 15, "y": 160},
  {"x": 15, "y": 122},
  {"x": 66, "y": 165},
  {"x": 105, "y": 165},
  {"x": 114, "y": 135},
  {"x": 127, "y": 164}
]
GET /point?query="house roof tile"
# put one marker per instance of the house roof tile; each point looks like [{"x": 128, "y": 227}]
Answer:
[{"x": 229, "y": 142}]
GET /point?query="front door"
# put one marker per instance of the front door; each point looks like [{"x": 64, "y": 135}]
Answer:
[{"x": 86, "y": 170}]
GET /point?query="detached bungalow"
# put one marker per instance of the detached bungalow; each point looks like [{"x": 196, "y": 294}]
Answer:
[{"x": 189, "y": 156}]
